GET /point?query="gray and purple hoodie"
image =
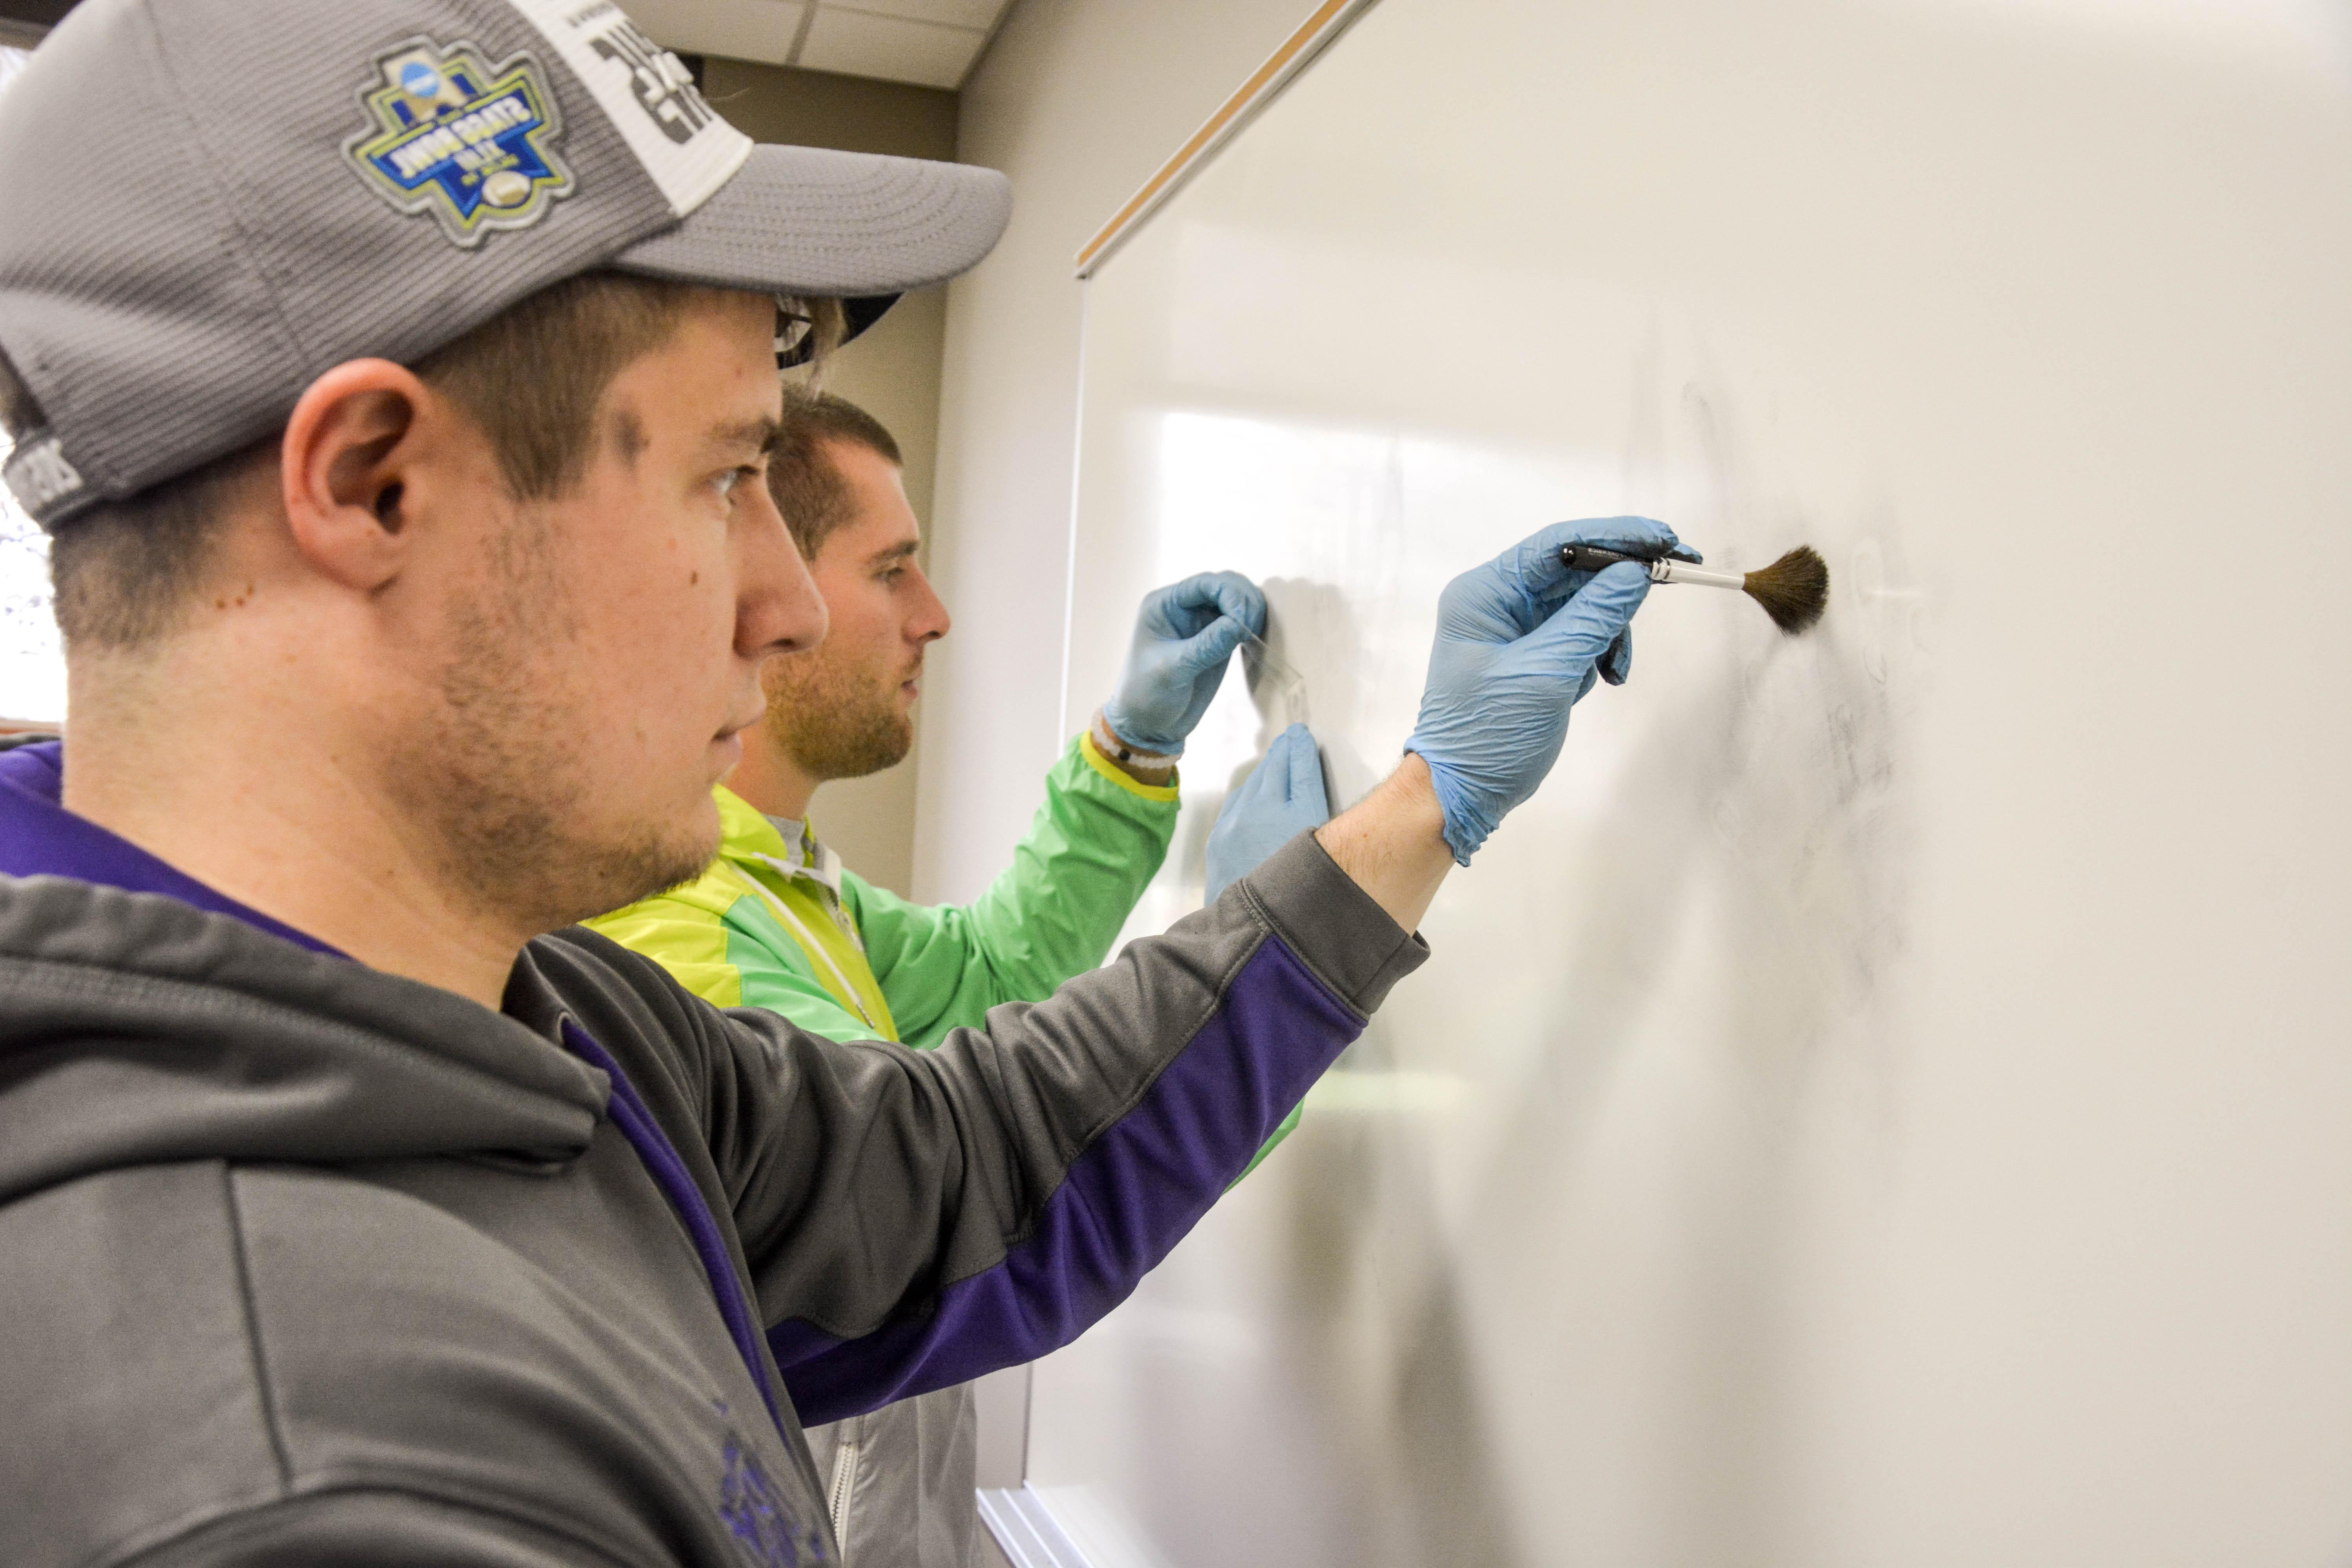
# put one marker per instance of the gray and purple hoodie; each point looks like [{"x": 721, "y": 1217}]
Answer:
[{"x": 307, "y": 1263}]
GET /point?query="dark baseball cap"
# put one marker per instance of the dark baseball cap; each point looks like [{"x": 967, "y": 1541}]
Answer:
[{"x": 211, "y": 202}]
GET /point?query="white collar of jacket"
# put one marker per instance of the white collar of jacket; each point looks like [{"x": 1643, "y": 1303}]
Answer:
[{"x": 802, "y": 855}]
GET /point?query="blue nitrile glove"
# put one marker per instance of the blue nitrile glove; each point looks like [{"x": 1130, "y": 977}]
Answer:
[
  {"x": 1183, "y": 636},
  {"x": 1282, "y": 798},
  {"x": 1518, "y": 641}
]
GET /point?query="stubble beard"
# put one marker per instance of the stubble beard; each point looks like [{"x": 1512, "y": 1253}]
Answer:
[
  {"x": 504, "y": 784},
  {"x": 833, "y": 720}
]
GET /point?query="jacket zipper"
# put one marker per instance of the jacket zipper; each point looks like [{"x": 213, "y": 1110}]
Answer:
[
  {"x": 809, "y": 945},
  {"x": 845, "y": 1480}
]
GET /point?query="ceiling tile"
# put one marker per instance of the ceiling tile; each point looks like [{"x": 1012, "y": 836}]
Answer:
[
  {"x": 980, "y": 14},
  {"x": 740, "y": 29},
  {"x": 858, "y": 43}
]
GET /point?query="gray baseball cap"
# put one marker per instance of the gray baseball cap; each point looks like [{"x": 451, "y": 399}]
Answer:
[{"x": 206, "y": 203}]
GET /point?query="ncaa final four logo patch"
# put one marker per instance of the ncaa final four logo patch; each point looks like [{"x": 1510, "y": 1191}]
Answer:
[{"x": 473, "y": 145}]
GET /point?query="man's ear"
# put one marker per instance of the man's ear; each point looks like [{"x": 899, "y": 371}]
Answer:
[{"x": 349, "y": 445}]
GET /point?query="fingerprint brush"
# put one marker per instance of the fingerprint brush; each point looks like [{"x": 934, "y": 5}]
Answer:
[{"x": 1793, "y": 590}]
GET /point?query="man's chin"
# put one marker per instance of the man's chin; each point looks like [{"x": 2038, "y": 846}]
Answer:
[
  {"x": 824, "y": 746},
  {"x": 631, "y": 869},
  {"x": 693, "y": 847},
  {"x": 834, "y": 720}
]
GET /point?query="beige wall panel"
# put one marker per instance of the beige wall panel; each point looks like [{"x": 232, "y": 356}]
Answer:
[
  {"x": 893, "y": 372},
  {"x": 818, "y": 109}
]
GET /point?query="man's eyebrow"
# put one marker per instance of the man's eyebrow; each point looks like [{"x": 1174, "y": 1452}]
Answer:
[
  {"x": 897, "y": 552},
  {"x": 757, "y": 434}
]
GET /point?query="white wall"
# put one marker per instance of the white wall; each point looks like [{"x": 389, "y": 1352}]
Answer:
[
  {"x": 1852, "y": 1117},
  {"x": 1079, "y": 100}
]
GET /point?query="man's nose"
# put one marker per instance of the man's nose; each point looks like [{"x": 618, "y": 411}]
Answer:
[
  {"x": 780, "y": 609},
  {"x": 930, "y": 621}
]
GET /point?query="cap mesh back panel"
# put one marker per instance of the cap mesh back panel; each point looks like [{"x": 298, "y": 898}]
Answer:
[{"x": 205, "y": 249}]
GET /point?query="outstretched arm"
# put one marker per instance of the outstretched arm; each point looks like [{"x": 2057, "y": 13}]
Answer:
[
  {"x": 1095, "y": 844},
  {"x": 1097, "y": 841},
  {"x": 913, "y": 1219},
  {"x": 1392, "y": 844}
]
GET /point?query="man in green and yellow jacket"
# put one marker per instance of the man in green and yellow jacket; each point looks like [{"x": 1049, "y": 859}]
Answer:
[{"x": 775, "y": 921}]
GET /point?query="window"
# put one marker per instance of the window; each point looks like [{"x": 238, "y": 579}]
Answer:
[{"x": 32, "y": 662}]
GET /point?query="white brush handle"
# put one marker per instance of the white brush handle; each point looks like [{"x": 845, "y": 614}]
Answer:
[{"x": 1668, "y": 571}]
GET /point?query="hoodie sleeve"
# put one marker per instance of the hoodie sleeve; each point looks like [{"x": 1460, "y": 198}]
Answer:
[
  {"x": 912, "y": 1219},
  {"x": 375, "y": 1528}
]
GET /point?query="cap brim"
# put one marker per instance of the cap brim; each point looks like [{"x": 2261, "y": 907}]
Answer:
[{"x": 821, "y": 224}]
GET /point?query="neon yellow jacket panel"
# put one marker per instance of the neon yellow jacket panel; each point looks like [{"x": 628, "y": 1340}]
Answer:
[{"x": 753, "y": 932}]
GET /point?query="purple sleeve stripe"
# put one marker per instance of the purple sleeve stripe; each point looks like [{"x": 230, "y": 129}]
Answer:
[
  {"x": 1124, "y": 1203},
  {"x": 677, "y": 1183}
]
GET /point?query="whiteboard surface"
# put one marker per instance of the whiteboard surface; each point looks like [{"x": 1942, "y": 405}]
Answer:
[{"x": 1886, "y": 1100}]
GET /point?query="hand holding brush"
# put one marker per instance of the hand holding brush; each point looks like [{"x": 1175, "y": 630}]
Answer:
[
  {"x": 1519, "y": 641},
  {"x": 1793, "y": 590}
]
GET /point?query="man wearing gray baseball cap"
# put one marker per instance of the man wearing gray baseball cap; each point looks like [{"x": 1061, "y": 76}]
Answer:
[{"x": 394, "y": 378}]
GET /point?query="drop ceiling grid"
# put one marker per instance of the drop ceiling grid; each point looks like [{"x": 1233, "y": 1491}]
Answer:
[
  {"x": 859, "y": 41},
  {"x": 932, "y": 43}
]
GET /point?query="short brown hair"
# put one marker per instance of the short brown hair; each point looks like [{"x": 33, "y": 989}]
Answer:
[
  {"x": 119, "y": 572},
  {"x": 808, "y": 487},
  {"x": 530, "y": 378}
]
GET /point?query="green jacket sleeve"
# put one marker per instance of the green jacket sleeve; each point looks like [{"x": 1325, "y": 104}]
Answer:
[{"x": 1096, "y": 842}]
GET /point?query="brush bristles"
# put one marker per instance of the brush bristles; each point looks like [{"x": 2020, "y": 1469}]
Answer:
[{"x": 1794, "y": 590}]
